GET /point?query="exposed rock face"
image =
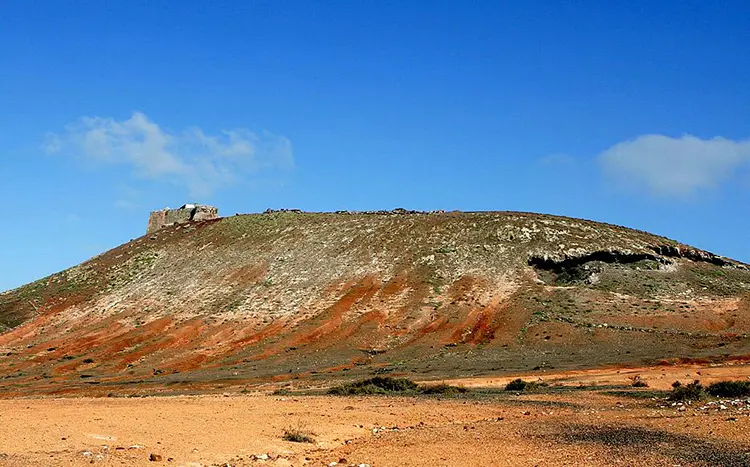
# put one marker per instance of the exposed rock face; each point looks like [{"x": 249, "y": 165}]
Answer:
[{"x": 187, "y": 213}]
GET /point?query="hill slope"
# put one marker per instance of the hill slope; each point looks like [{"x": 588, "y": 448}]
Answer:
[{"x": 290, "y": 295}]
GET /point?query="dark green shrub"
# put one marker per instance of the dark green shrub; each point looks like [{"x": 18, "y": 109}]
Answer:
[
  {"x": 388, "y": 385},
  {"x": 521, "y": 385},
  {"x": 729, "y": 389},
  {"x": 688, "y": 392},
  {"x": 376, "y": 385},
  {"x": 516, "y": 385}
]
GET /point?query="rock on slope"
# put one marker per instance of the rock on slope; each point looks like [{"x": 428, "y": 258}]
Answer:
[{"x": 290, "y": 295}]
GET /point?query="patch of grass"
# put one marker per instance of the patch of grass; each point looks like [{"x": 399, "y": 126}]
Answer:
[
  {"x": 729, "y": 389},
  {"x": 521, "y": 385},
  {"x": 689, "y": 392},
  {"x": 298, "y": 435}
]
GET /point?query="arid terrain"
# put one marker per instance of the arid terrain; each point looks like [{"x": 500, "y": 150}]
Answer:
[
  {"x": 201, "y": 343},
  {"x": 595, "y": 419}
]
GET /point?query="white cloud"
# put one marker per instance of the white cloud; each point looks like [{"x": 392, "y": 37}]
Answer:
[
  {"x": 674, "y": 166},
  {"x": 192, "y": 158}
]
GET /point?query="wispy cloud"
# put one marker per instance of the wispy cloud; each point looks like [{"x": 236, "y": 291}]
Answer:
[
  {"x": 192, "y": 158},
  {"x": 674, "y": 166}
]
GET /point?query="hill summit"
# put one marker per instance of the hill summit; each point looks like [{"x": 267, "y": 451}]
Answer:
[{"x": 306, "y": 296}]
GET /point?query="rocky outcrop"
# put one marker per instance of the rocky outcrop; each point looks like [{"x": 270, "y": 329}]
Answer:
[{"x": 694, "y": 254}]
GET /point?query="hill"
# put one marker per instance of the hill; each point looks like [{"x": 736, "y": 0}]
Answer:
[{"x": 311, "y": 296}]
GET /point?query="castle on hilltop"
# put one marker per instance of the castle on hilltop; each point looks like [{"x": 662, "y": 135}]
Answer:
[{"x": 186, "y": 213}]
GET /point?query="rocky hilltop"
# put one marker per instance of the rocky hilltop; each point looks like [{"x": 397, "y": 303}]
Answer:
[{"x": 293, "y": 296}]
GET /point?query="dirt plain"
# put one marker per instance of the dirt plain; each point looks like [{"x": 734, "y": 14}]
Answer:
[{"x": 588, "y": 418}]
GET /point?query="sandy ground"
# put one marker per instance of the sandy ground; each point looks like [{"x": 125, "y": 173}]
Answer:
[{"x": 591, "y": 426}]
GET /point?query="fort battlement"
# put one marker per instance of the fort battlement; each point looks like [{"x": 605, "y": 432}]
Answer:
[{"x": 186, "y": 213}]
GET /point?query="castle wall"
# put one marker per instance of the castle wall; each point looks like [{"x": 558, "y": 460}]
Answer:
[
  {"x": 204, "y": 213},
  {"x": 178, "y": 216},
  {"x": 156, "y": 220},
  {"x": 165, "y": 217}
]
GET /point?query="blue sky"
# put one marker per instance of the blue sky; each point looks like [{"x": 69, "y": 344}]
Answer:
[{"x": 634, "y": 113}]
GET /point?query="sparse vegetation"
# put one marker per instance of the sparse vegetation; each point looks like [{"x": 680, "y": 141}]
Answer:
[
  {"x": 388, "y": 385},
  {"x": 729, "y": 389},
  {"x": 376, "y": 385},
  {"x": 689, "y": 392},
  {"x": 298, "y": 435},
  {"x": 528, "y": 386}
]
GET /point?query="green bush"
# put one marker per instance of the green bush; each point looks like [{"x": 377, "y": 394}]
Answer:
[
  {"x": 516, "y": 385},
  {"x": 729, "y": 389},
  {"x": 688, "y": 392},
  {"x": 388, "y": 385},
  {"x": 376, "y": 385},
  {"x": 521, "y": 385}
]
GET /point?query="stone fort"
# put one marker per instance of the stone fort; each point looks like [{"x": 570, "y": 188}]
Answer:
[{"x": 186, "y": 213}]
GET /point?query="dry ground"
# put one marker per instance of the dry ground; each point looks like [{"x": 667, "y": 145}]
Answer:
[{"x": 598, "y": 425}]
